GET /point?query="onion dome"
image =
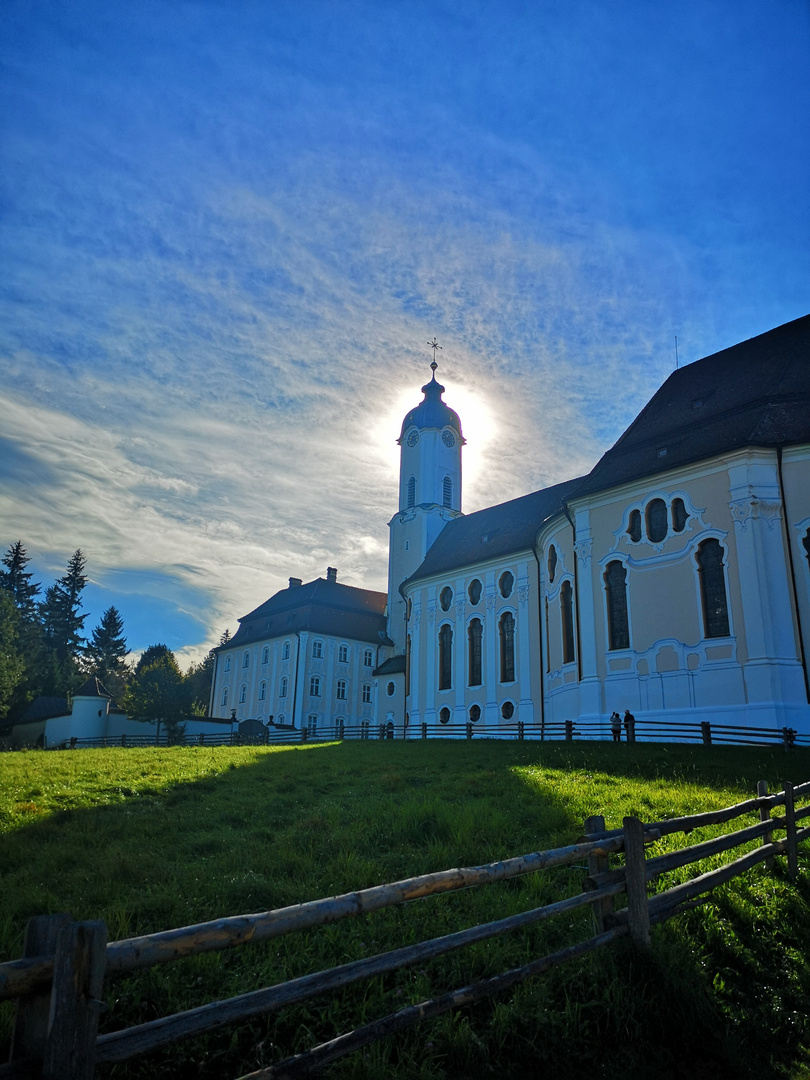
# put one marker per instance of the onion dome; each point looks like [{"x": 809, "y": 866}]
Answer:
[{"x": 432, "y": 412}]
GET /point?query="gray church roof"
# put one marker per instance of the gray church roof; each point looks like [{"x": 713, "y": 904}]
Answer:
[
  {"x": 495, "y": 532},
  {"x": 320, "y": 606},
  {"x": 752, "y": 394},
  {"x": 432, "y": 412}
]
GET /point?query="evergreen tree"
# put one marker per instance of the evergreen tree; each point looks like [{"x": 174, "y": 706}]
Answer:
[
  {"x": 12, "y": 665},
  {"x": 157, "y": 692},
  {"x": 62, "y": 622},
  {"x": 198, "y": 681},
  {"x": 106, "y": 651},
  {"x": 16, "y": 580},
  {"x": 151, "y": 655}
]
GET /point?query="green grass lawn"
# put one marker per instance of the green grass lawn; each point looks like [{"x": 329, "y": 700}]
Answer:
[{"x": 152, "y": 839}]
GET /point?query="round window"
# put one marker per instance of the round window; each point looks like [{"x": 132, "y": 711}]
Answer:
[
  {"x": 390, "y": 689},
  {"x": 507, "y": 710},
  {"x": 444, "y": 715},
  {"x": 506, "y": 584},
  {"x": 475, "y": 713},
  {"x": 446, "y": 598}
]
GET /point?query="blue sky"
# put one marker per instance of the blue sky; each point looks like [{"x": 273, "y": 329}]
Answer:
[{"x": 228, "y": 229}]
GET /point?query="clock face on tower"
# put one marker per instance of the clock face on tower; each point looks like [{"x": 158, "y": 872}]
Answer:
[
  {"x": 448, "y": 438},
  {"x": 413, "y": 438}
]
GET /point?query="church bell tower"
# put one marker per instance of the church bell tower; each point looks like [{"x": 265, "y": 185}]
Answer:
[{"x": 429, "y": 492}]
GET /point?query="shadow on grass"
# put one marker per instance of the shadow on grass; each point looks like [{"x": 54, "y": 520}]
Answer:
[{"x": 267, "y": 828}]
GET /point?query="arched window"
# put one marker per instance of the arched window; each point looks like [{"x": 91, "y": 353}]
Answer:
[
  {"x": 368, "y": 658},
  {"x": 242, "y": 694},
  {"x": 282, "y": 690},
  {"x": 634, "y": 528},
  {"x": 445, "y": 657},
  {"x": 246, "y": 659},
  {"x": 285, "y": 651},
  {"x": 341, "y": 690},
  {"x": 616, "y": 595},
  {"x": 447, "y": 491},
  {"x": 713, "y": 589},
  {"x": 446, "y": 598},
  {"x": 657, "y": 525},
  {"x": 679, "y": 515},
  {"x": 474, "y": 591},
  {"x": 506, "y": 584},
  {"x": 474, "y": 635},
  {"x": 506, "y": 626},
  {"x": 225, "y": 696},
  {"x": 262, "y": 691},
  {"x": 315, "y": 686},
  {"x": 227, "y": 663},
  {"x": 548, "y": 647},
  {"x": 411, "y": 492},
  {"x": 265, "y": 654},
  {"x": 343, "y": 654},
  {"x": 408, "y": 666},
  {"x": 366, "y": 693},
  {"x": 552, "y": 564},
  {"x": 317, "y": 650},
  {"x": 567, "y": 617}
]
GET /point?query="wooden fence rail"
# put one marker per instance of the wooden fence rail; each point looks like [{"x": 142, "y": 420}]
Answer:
[
  {"x": 563, "y": 730},
  {"x": 58, "y": 983}
]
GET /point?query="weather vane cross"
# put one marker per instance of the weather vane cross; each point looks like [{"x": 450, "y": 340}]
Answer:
[{"x": 434, "y": 345}]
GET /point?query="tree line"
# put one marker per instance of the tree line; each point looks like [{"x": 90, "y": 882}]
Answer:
[{"x": 44, "y": 651}]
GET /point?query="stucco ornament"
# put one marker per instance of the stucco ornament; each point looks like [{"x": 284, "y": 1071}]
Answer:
[
  {"x": 584, "y": 550},
  {"x": 523, "y": 594},
  {"x": 432, "y": 612},
  {"x": 744, "y": 511}
]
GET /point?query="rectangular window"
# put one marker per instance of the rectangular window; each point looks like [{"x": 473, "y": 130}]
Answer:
[
  {"x": 368, "y": 658},
  {"x": 445, "y": 657},
  {"x": 713, "y": 589},
  {"x": 341, "y": 690},
  {"x": 616, "y": 596},
  {"x": 315, "y": 686},
  {"x": 366, "y": 694},
  {"x": 506, "y": 626},
  {"x": 567, "y": 616},
  {"x": 317, "y": 650},
  {"x": 343, "y": 654},
  {"x": 474, "y": 635}
]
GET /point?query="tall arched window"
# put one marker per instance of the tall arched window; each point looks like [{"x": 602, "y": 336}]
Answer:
[
  {"x": 616, "y": 595},
  {"x": 225, "y": 696},
  {"x": 567, "y": 617},
  {"x": 285, "y": 651},
  {"x": 447, "y": 491},
  {"x": 315, "y": 686},
  {"x": 262, "y": 690},
  {"x": 242, "y": 694},
  {"x": 713, "y": 589},
  {"x": 246, "y": 659},
  {"x": 265, "y": 654},
  {"x": 506, "y": 626},
  {"x": 227, "y": 663},
  {"x": 408, "y": 666},
  {"x": 548, "y": 646},
  {"x": 445, "y": 657},
  {"x": 341, "y": 690},
  {"x": 634, "y": 526},
  {"x": 282, "y": 690},
  {"x": 411, "y": 491},
  {"x": 552, "y": 563},
  {"x": 474, "y": 635}
]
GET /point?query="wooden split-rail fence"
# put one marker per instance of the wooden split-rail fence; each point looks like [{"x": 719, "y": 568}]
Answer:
[{"x": 59, "y": 981}]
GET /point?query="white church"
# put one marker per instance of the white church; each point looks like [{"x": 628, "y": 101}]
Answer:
[{"x": 672, "y": 580}]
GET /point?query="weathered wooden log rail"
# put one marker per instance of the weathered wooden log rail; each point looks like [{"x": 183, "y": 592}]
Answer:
[
  {"x": 58, "y": 983},
  {"x": 563, "y": 730}
]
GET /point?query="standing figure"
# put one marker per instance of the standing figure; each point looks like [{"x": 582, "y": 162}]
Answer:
[
  {"x": 616, "y": 726},
  {"x": 630, "y": 725}
]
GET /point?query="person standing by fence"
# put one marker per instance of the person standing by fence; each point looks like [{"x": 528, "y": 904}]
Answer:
[
  {"x": 616, "y": 726},
  {"x": 630, "y": 725}
]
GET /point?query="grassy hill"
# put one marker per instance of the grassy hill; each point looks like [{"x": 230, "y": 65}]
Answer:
[{"x": 152, "y": 839}]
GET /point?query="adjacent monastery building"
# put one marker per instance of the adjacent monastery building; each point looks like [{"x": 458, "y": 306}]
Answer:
[{"x": 673, "y": 580}]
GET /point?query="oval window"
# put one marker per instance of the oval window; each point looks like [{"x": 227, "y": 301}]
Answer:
[
  {"x": 475, "y": 713},
  {"x": 390, "y": 689},
  {"x": 444, "y": 715},
  {"x": 446, "y": 598},
  {"x": 507, "y": 710},
  {"x": 657, "y": 521},
  {"x": 474, "y": 591},
  {"x": 506, "y": 584},
  {"x": 679, "y": 515},
  {"x": 552, "y": 564}
]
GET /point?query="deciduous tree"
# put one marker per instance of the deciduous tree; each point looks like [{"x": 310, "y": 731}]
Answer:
[{"x": 158, "y": 693}]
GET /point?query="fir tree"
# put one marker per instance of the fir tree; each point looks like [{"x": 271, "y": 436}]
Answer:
[
  {"x": 12, "y": 665},
  {"x": 60, "y": 612},
  {"x": 16, "y": 580},
  {"x": 106, "y": 652}
]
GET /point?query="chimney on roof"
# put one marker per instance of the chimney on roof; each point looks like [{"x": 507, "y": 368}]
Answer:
[
  {"x": 295, "y": 581},
  {"x": 331, "y": 573}
]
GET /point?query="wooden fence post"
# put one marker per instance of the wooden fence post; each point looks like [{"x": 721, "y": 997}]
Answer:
[
  {"x": 790, "y": 828},
  {"x": 569, "y": 730},
  {"x": 598, "y": 864},
  {"x": 706, "y": 732},
  {"x": 520, "y": 729},
  {"x": 469, "y": 730},
  {"x": 764, "y": 815},
  {"x": 636, "y": 876},
  {"x": 424, "y": 729},
  {"x": 31, "y": 1022},
  {"x": 78, "y": 981}
]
